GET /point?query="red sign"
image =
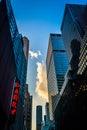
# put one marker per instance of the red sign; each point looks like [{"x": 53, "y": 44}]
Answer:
[{"x": 15, "y": 99}]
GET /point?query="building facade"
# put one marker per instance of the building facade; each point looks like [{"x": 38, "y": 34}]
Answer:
[
  {"x": 7, "y": 64},
  {"x": 13, "y": 70},
  {"x": 38, "y": 117},
  {"x": 56, "y": 64},
  {"x": 73, "y": 25},
  {"x": 71, "y": 110},
  {"x": 27, "y": 110},
  {"x": 47, "y": 124},
  {"x": 82, "y": 66},
  {"x": 26, "y": 47}
]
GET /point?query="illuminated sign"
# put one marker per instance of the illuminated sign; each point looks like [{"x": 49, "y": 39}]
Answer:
[{"x": 14, "y": 101}]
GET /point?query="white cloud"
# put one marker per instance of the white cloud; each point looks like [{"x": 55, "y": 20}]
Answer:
[
  {"x": 41, "y": 83},
  {"x": 39, "y": 53},
  {"x": 34, "y": 54}
]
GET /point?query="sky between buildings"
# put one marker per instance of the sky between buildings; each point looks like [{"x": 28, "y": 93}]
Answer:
[{"x": 36, "y": 19}]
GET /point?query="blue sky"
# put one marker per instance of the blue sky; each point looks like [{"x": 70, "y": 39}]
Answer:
[{"x": 36, "y": 19}]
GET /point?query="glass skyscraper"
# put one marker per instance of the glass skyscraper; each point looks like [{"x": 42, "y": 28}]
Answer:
[
  {"x": 56, "y": 64},
  {"x": 13, "y": 66},
  {"x": 71, "y": 110},
  {"x": 74, "y": 25}
]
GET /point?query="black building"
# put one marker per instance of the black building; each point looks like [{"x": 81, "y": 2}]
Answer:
[
  {"x": 73, "y": 25},
  {"x": 71, "y": 111},
  {"x": 13, "y": 68},
  {"x": 7, "y": 66}
]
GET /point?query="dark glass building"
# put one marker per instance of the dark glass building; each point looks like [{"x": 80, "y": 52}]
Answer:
[
  {"x": 38, "y": 117},
  {"x": 71, "y": 110},
  {"x": 7, "y": 65},
  {"x": 56, "y": 64},
  {"x": 73, "y": 25},
  {"x": 13, "y": 68},
  {"x": 70, "y": 113}
]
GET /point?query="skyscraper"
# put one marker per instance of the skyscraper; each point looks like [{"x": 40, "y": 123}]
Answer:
[
  {"x": 38, "y": 117},
  {"x": 13, "y": 70},
  {"x": 73, "y": 25},
  {"x": 56, "y": 64},
  {"x": 27, "y": 110},
  {"x": 7, "y": 65},
  {"x": 47, "y": 124},
  {"x": 71, "y": 110}
]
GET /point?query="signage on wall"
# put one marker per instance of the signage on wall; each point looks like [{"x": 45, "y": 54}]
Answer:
[
  {"x": 13, "y": 109},
  {"x": 15, "y": 99}
]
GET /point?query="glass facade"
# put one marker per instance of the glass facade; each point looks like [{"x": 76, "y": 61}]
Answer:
[
  {"x": 7, "y": 66},
  {"x": 57, "y": 64},
  {"x": 17, "y": 41},
  {"x": 12, "y": 23},
  {"x": 71, "y": 111},
  {"x": 12, "y": 62},
  {"x": 83, "y": 55},
  {"x": 21, "y": 65},
  {"x": 75, "y": 19},
  {"x": 73, "y": 25}
]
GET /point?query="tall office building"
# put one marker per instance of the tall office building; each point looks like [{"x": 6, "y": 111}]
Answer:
[
  {"x": 56, "y": 64},
  {"x": 27, "y": 110},
  {"x": 75, "y": 16},
  {"x": 38, "y": 117},
  {"x": 47, "y": 123},
  {"x": 13, "y": 70},
  {"x": 71, "y": 110},
  {"x": 7, "y": 65},
  {"x": 74, "y": 25}
]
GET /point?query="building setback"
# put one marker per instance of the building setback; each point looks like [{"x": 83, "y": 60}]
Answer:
[{"x": 56, "y": 64}]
